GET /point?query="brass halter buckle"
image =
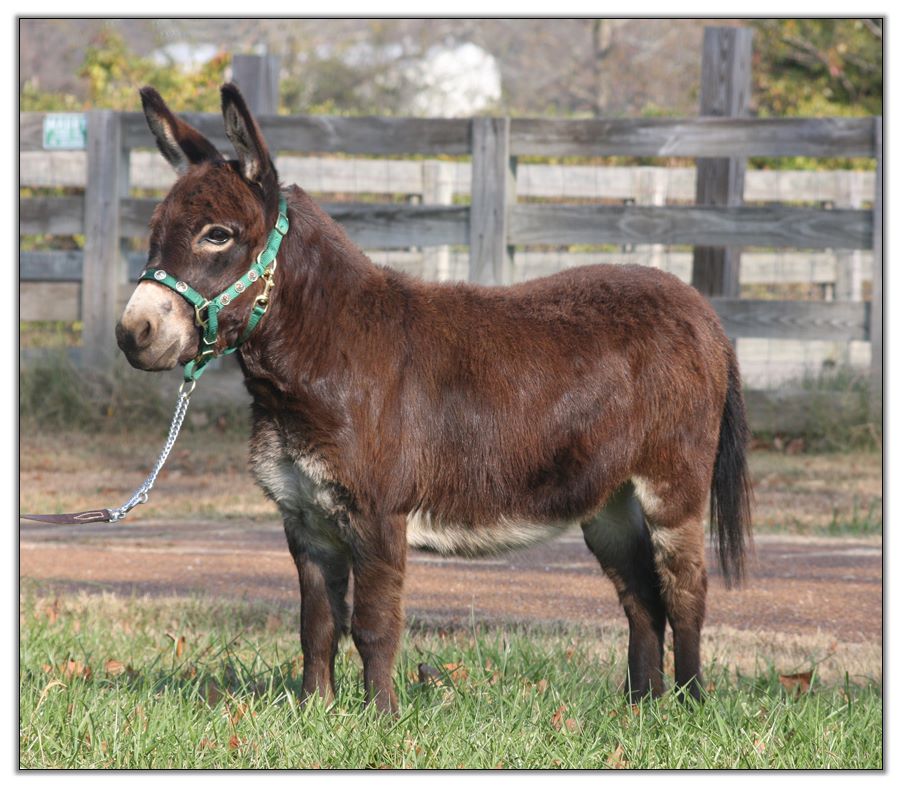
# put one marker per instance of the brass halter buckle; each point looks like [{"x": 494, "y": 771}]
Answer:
[
  {"x": 268, "y": 284},
  {"x": 201, "y": 322}
]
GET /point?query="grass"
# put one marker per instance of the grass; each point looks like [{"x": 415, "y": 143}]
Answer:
[
  {"x": 107, "y": 682},
  {"x": 863, "y": 520},
  {"x": 57, "y": 394},
  {"x": 838, "y": 412},
  {"x": 824, "y": 494}
]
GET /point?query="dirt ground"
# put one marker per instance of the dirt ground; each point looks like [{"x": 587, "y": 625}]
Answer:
[{"x": 209, "y": 532}]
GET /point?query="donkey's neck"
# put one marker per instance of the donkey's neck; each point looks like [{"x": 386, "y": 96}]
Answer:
[{"x": 329, "y": 303}]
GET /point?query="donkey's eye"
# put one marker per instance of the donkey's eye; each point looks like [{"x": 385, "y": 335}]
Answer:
[{"x": 217, "y": 236}]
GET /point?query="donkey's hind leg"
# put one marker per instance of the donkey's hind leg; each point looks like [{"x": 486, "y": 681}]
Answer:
[
  {"x": 619, "y": 538},
  {"x": 674, "y": 512}
]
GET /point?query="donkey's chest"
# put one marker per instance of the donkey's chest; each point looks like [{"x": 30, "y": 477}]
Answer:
[{"x": 312, "y": 504}]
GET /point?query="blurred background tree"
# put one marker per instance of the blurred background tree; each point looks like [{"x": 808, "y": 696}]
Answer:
[
  {"x": 560, "y": 67},
  {"x": 818, "y": 67}
]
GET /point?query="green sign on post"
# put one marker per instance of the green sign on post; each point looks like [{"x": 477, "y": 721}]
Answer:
[{"x": 65, "y": 131}]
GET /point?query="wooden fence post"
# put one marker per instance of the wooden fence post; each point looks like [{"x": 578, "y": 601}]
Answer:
[
  {"x": 438, "y": 189},
  {"x": 876, "y": 326},
  {"x": 850, "y": 194},
  {"x": 104, "y": 266},
  {"x": 725, "y": 88},
  {"x": 493, "y": 192},
  {"x": 257, "y": 76},
  {"x": 651, "y": 189}
]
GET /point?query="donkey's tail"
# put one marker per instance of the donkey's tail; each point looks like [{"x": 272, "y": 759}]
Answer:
[{"x": 730, "y": 486}]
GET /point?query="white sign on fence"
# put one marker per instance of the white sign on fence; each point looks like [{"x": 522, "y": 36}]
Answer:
[{"x": 65, "y": 131}]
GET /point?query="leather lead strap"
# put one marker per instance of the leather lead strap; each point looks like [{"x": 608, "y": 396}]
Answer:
[{"x": 72, "y": 518}]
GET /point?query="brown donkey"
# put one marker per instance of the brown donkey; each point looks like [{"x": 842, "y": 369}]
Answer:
[{"x": 388, "y": 411}]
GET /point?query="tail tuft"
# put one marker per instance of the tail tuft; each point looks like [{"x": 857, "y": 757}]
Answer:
[{"x": 731, "y": 490}]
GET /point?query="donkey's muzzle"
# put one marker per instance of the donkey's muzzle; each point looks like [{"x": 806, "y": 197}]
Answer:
[
  {"x": 157, "y": 329},
  {"x": 143, "y": 346}
]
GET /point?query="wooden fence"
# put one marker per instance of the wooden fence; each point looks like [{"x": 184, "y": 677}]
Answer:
[
  {"x": 837, "y": 274},
  {"x": 494, "y": 221}
]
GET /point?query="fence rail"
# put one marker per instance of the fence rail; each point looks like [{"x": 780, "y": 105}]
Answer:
[
  {"x": 148, "y": 170},
  {"x": 665, "y": 137}
]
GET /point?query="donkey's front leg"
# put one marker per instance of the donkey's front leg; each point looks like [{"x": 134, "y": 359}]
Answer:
[
  {"x": 323, "y": 576},
  {"x": 380, "y": 557}
]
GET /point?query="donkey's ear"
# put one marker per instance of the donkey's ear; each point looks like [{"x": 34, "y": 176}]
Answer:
[
  {"x": 180, "y": 144},
  {"x": 244, "y": 133}
]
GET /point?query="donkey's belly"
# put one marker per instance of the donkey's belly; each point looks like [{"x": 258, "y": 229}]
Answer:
[{"x": 427, "y": 532}]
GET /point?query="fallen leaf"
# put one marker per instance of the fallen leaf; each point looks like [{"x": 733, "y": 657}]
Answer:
[
  {"x": 456, "y": 671},
  {"x": 234, "y": 742},
  {"x": 796, "y": 683},
  {"x": 616, "y": 760},
  {"x": 179, "y": 643},
  {"x": 75, "y": 669},
  {"x": 541, "y": 686},
  {"x": 113, "y": 667},
  {"x": 557, "y": 719},
  {"x": 237, "y": 713},
  {"x": 412, "y": 745}
]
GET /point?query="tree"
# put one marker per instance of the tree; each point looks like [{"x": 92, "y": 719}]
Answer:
[
  {"x": 818, "y": 67},
  {"x": 112, "y": 74}
]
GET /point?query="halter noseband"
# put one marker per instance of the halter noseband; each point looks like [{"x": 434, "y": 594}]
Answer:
[{"x": 206, "y": 312}]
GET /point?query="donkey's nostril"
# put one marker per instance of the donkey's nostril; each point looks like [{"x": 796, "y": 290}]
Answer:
[
  {"x": 136, "y": 336},
  {"x": 145, "y": 335}
]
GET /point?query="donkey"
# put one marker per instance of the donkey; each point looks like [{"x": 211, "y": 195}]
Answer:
[{"x": 388, "y": 411}]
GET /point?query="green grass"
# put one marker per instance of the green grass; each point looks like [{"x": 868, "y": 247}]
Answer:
[
  {"x": 144, "y": 684},
  {"x": 862, "y": 521}
]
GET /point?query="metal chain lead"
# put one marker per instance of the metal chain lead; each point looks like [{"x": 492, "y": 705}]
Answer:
[{"x": 141, "y": 494}]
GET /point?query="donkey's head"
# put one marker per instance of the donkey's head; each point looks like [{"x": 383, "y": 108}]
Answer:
[{"x": 205, "y": 234}]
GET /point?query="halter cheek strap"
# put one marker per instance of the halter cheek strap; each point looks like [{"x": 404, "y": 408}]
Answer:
[{"x": 206, "y": 312}]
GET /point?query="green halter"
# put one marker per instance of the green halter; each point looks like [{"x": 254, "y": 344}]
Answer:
[{"x": 206, "y": 312}]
